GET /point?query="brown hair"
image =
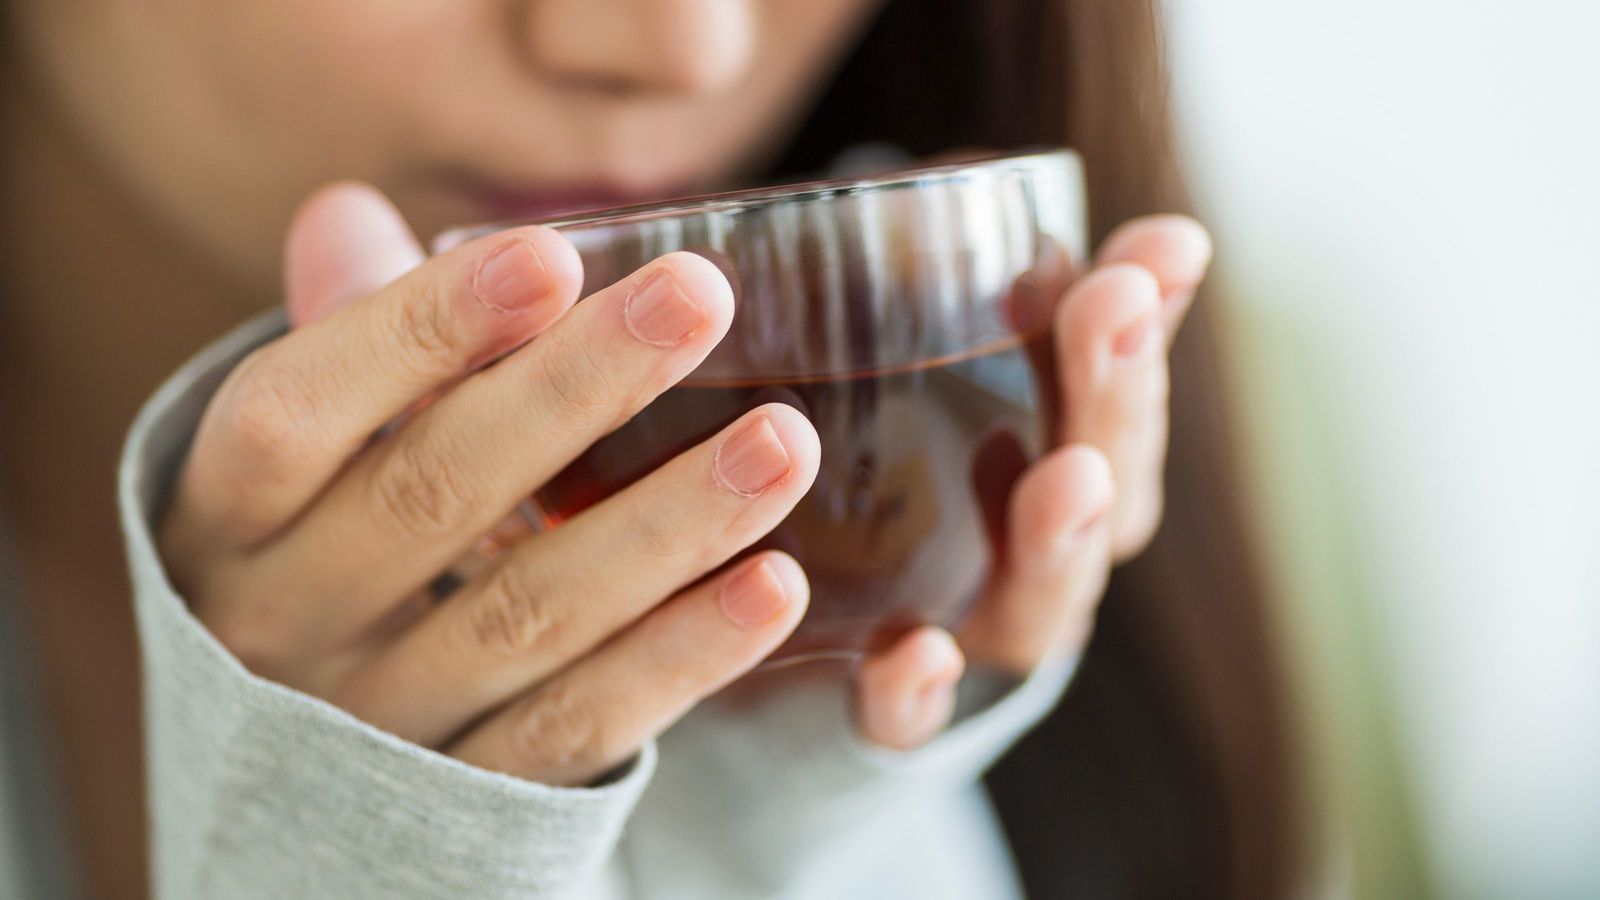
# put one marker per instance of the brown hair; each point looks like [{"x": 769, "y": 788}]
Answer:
[{"x": 1169, "y": 769}]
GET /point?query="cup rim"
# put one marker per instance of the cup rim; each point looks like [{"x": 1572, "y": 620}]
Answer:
[{"x": 809, "y": 191}]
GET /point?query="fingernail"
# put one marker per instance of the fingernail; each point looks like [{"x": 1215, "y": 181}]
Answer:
[
  {"x": 753, "y": 597},
  {"x": 511, "y": 277},
  {"x": 752, "y": 460},
  {"x": 658, "y": 312},
  {"x": 1132, "y": 339}
]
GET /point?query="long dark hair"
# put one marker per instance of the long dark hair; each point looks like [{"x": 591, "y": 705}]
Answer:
[{"x": 1169, "y": 770}]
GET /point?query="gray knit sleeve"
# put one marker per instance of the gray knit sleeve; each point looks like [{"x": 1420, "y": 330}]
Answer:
[{"x": 257, "y": 790}]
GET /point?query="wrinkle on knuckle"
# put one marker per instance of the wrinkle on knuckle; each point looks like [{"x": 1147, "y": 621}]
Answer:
[
  {"x": 513, "y": 618},
  {"x": 578, "y": 383},
  {"x": 682, "y": 668},
  {"x": 421, "y": 492},
  {"x": 426, "y": 336},
  {"x": 271, "y": 414},
  {"x": 657, "y": 533},
  {"x": 559, "y": 730}
]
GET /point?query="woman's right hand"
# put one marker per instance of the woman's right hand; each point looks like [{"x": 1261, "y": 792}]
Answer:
[{"x": 305, "y": 545}]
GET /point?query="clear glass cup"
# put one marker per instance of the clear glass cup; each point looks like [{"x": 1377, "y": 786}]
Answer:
[{"x": 907, "y": 315}]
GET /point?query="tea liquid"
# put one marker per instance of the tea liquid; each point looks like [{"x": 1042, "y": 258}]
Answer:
[{"x": 903, "y": 524}]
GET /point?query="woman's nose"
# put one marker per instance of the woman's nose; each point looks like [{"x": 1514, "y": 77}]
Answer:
[{"x": 650, "y": 46}]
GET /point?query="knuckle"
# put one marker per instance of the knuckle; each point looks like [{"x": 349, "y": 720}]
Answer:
[
  {"x": 684, "y": 670},
  {"x": 512, "y": 618},
  {"x": 657, "y": 533},
  {"x": 271, "y": 411},
  {"x": 559, "y": 730},
  {"x": 421, "y": 491},
  {"x": 578, "y": 384},
  {"x": 427, "y": 336}
]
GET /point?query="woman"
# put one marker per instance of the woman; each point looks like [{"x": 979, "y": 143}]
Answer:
[{"x": 155, "y": 153}]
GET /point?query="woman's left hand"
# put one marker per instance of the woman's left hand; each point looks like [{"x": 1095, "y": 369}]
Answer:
[{"x": 1093, "y": 502}]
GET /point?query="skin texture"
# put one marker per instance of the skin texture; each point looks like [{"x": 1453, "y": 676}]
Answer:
[{"x": 155, "y": 156}]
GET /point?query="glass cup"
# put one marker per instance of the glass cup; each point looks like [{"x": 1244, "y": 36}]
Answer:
[{"x": 908, "y": 316}]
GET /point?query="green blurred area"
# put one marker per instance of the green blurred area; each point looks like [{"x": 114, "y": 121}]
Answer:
[{"x": 1290, "y": 420}]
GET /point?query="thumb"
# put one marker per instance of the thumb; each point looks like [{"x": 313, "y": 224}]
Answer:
[{"x": 345, "y": 242}]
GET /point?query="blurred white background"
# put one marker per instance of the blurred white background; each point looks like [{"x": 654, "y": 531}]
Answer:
[{"x": 1406, "y": 196}]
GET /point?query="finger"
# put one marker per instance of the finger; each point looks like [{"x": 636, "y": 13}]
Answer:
[
  {"x": 1175, "y": 249},
  {"x": 906, "y": 694},
  {"x": 1114, "y": 381},
  {"x": 408, "y": 509},
  {"x": 555, "y": 597},
  {"x": 595, "y": 715},
  {"x": 1057, "y": 558},
  {"x": 292, "y": 414},
  {"x": 346, "y": 241}
]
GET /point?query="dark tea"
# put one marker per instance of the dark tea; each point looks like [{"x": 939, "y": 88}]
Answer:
[
  {"x": 907, "y": 315},
  {"x": 902, "y": 525}
]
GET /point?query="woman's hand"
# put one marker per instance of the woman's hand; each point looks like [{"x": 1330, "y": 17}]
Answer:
[
  {"x": 1091, "y": 503},
  {"x": 306, "y": 547}
]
